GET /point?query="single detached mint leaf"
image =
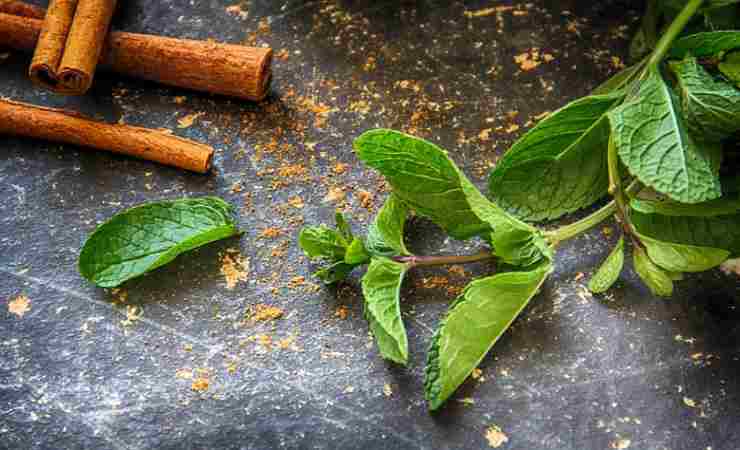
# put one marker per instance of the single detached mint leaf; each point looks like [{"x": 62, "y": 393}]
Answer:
[
  {"x": 681, "y": 257},
  {"x": 655, "y": 278},
  {"x": 473, "y": 324},
  {"x": 322, "y": 242},
  {"x": 381, "y": 288},
  {"x": 653, "y": 141},
  {"x": 705, "y": 44},
  {"x": 559, "y": 166},
  {"x": 385, "y": 234},
  {"x": 356, "y": 253},
  {"x": 140, "y": 239},
  {"x": 423, "y": 177},
  {"x": 609, "y": 271},
  {"x": 712, "y": 107},
  {"x": 707, "y": 226},
  {"x": 426, "y": 180}
]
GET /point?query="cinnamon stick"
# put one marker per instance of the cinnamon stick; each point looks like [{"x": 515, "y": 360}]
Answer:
[
  {"x": 22, "y": 9},
  {"x": 70, "y": 44},
  {"x": 22, "y": 119},
  {"x": 232, "y": 70}
]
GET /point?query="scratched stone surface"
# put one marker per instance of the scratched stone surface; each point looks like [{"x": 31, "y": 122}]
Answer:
[{"x": 87, "y": 368}]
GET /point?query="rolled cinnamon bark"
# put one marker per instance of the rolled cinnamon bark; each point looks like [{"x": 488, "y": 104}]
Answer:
[
  {"x": 22, "y": 119},
  {"x": 51, "y": 44},
  {"x": 70, "y": 44},
  {"x": 85, "y": 44},
  {"x": 22, "y": 9},
  {"x": 233, "y": 70}
]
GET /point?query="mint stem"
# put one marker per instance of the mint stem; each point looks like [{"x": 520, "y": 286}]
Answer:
[
  {"x": 678, "y": 24},
  {"x": 424, "y": 261}
]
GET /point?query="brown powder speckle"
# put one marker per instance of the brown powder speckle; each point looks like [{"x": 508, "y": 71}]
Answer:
[
  {"x": 263, "y": 312},
  {"x": 187, "y": 121},
  {"x": 296, "y": 202},
  {"x": 366, "y": 199},
  {"x": 19, "y": 305},
  {"x": 200, "y": 384},
  {"x": 495, "y": 436},
  {"x": 342, "y": 312},
  {"x": 234, "y": 267}
]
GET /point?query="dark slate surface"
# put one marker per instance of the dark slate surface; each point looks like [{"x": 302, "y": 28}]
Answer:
[{"x": 574, "y": 372}]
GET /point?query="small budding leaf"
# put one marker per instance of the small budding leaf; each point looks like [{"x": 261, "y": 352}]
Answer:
[
  {"x": 712, "y": 107},
  {"x": 653, "y": 141},
  {"x": 338, "y": 247},
  {"x": 609, "y": 271},
  {"x": 335, "y": 272},
  {"x": 655, "y": 278},
  {"x": 381, "y": 288},
  {"x": 385, "y": 234},
  {"x": 473, "y": 324},
  {"x": 140, "y": 239},
  {"x": 356, "y": 253},
  {"x": 322, "y": 242}
]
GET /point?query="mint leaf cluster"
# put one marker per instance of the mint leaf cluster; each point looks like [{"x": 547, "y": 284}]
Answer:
[{"x": 652, "y": 138}]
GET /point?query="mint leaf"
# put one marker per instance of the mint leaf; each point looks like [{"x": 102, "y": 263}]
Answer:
[
  {"x": 385, "y": 234},
  {"x": 730, "y": 67},
  {"x": 473, "y": 324},
  {"x": 712, "y": 107},
  {"x": 705, "y": 44},
  {"x": 719, "y": 207},
  {"x": 423, "y": 177},
  {"x": 655, "y": 278},
  {"x": 356, "y": 253},
  {"x": 609, "y": 271},
  {"x": 334, "y": 272},
  {"x": 381, "y": 287},
  {"x": 322, "y": 242},
  {"x": 620, "y": 79},
  {"x": 653, "y": 142},
  {"x": 140, "y": 239},
  {"x": 559, "y": 166},
  {"x": 682, "y": 257},
  {"x": 707, "y": 226},
  {"x": 343, "y": 228}
]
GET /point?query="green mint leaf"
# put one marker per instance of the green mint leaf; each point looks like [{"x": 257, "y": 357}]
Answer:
[
  {"x": 712, "y": 107},
  {"x": 653, "y": 142},
  {"x": 730, "y": 67},
  {"x": 559, "y": 166},
  {"x": 609, "y": 271},
  {"x": 335, "y": 272},
  {"x": 356, "y": 253},
  {"x": 426, "y": 180},
  {"x": 385, "y": 234},
  {"x": 345, "y": 232},
  {"x": 140, "y": 239},
  {"x": 655, "y": 278},
  {"x": 381, "y": 288},
  {"x": 423, "y": 177},
  {"x": 322, "y": 242},
  {"x": 705, "y": 44},
  {"x": 472, "y": 326},
  {"x": 702, "y": 227},
  {"x": 620, "y": 79},
  {"x": 682, "y": 257},
  {"x": 719, "y": 207}
]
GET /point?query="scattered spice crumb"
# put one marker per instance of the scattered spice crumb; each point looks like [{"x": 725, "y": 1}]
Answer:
[
  {"x": 296, "y": 202},
  {"x": 265, "y": 312},
  {"x": 342, "y": 312},
  {"x": 621, "y": 444},
  {"x": 236, "y": 10},
  {"x": 495, "y": 436},
  {"x": 270, "y": 233},
  {"x": 335, "y": 194},
  {"x": 133, "y": 313},
  {"x": 476, "y": 373},
  {"x": 200, "y": 384},
  {"x": 234, "y": 267},
  {"x": 689, "y": 402},
  {"x": 187, "y": 121},
  {"x": 184, "y": 374},
  {"x": 19, "y": 305},
  {"x": 366, "y": 199},
  {"x": 467, "y": 401}
]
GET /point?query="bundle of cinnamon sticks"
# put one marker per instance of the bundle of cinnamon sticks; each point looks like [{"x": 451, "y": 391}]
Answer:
[{"x": 72, "y": 41}]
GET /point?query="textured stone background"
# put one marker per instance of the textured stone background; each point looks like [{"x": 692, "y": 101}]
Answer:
[{"x": 626, "y": 370}]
